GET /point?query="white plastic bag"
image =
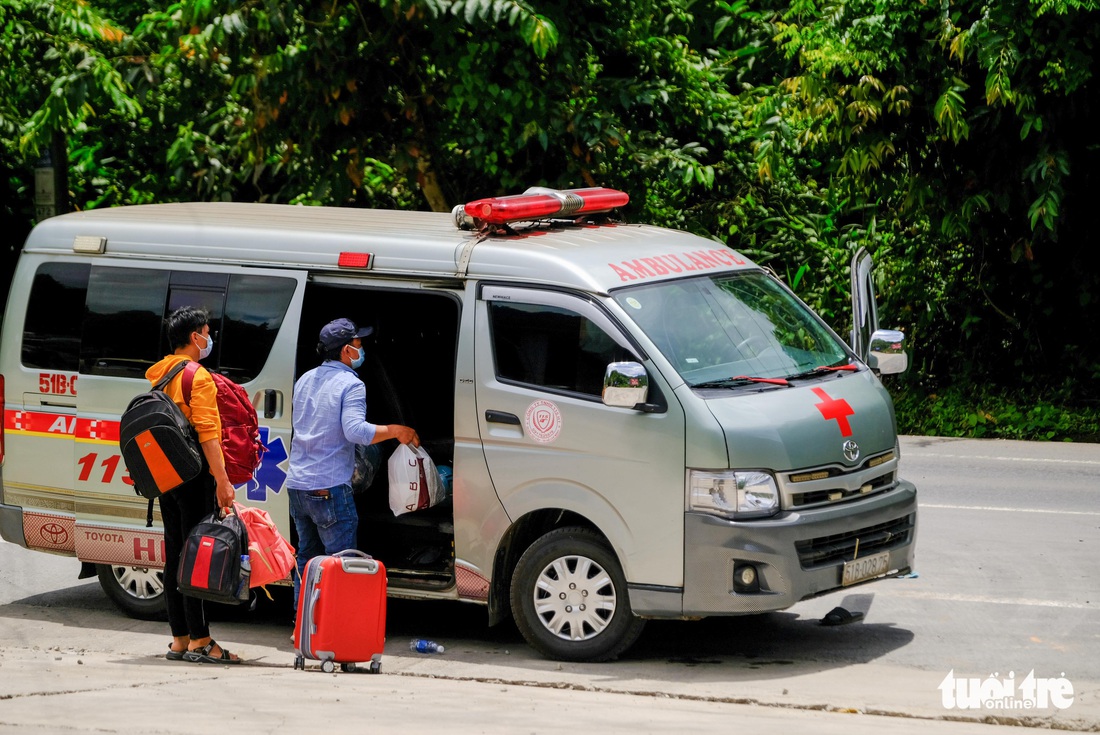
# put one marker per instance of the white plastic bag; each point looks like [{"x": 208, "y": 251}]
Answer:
[{"x": 414, "y": 480}]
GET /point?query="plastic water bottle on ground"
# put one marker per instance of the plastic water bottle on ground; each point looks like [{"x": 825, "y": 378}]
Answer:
[{"x": 419, "y": 645}]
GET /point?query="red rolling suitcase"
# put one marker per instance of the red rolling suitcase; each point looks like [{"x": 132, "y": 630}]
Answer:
[{"x": 341, "y": 612}]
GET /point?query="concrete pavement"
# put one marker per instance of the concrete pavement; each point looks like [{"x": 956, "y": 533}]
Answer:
[{"x": 104, "y": 673}]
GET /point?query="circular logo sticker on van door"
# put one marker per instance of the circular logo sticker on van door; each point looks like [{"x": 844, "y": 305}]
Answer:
[{"x": 543, "y": 421}]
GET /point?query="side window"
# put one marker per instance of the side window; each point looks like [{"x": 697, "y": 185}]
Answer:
[
  {"x": 124, "y": 331},
  {"x": 51, "y": 331},
  {"x": 123, "y": 325},
  {"x": 254, "y": 310},
  {"x": 551, "y": 347}
]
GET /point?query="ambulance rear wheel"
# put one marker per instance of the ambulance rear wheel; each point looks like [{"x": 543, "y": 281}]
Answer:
[
  {"x": 569, "y": 598},
  {"x": 136, "y": 591}
]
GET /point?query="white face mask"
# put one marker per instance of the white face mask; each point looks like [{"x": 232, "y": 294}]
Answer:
[{"x": 205, "y": 351}]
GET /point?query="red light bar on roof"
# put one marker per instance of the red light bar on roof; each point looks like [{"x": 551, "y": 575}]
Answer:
[
  {"x": 539, "y": 203},
  {"x": 354, "y": 260}
]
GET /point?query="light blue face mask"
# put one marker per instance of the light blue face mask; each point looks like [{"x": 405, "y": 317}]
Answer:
[
  {"x": 205, "y": 351},
  {"x": 355, "y": 363}
]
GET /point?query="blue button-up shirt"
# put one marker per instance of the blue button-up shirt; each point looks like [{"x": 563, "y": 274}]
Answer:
[{"x": 330, "y": 418}]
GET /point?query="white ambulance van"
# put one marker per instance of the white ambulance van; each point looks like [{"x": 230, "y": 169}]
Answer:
[{"x": 641, "y": 423}]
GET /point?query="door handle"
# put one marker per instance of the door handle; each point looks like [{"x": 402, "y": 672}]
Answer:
[
  {"x": 501, "y": 417},
  {"x": 271, "y": 403}
]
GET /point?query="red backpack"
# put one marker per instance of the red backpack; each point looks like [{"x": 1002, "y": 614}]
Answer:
[
  {"x": 270, "y": 555},
  {"x": 241, "y": 445}
]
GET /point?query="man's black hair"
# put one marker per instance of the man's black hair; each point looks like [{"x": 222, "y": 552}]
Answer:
[
  {"x": 333, "y": 354},
  {"x": 182, "y": 322}
]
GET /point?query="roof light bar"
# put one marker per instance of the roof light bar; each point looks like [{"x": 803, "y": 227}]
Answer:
[
  {"x": 354, "y": 260},
  {"x": 539, "y": 203}
]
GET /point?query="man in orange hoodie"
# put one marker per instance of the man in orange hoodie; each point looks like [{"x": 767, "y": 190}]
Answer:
[{"x": 180, "y": 510}]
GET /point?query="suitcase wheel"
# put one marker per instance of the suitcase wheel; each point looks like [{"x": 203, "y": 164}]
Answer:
[
  {"x": 299, "y": 662},
  {"x": 376, "y": 667},
  {"x": 328, "y": 667},
  {"x": 348, "y": 667}
]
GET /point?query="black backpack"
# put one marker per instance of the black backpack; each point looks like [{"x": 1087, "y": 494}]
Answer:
[
  {"x": 210, "y": 563},
  {"x": 158, "y": 443}
]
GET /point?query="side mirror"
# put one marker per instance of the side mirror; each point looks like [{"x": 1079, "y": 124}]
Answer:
[
  {"x": 625, "y": 385},
  {"x": 886, "y": 352}
]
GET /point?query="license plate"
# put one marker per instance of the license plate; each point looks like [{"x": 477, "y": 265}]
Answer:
[{"x": 865, "y": 568}]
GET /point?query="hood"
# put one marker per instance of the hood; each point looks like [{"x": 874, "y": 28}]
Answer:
[
  {"x": 161, "y": 368},
  {"x": 806, "y": 425}
]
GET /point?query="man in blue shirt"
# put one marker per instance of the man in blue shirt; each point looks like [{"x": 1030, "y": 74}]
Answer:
[{"x": 330, "y": 418}]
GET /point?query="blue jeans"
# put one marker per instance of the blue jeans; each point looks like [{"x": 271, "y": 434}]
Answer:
[{"x": 325, "y": 525}]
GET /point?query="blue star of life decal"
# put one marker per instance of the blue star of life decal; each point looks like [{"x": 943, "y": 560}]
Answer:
[{"x": 270, "y": 476}]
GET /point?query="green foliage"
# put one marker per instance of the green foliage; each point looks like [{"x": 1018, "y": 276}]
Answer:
[
  {"x": 941, "y": 137},
  {"x": 58, "y": 69},
  {"x": 990, "y": 414}
]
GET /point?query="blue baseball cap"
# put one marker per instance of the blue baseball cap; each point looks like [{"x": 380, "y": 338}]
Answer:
[{"x": 339, "y": 332}]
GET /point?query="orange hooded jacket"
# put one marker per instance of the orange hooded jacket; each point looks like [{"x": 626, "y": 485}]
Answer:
[{"x": 203, "y": 411}]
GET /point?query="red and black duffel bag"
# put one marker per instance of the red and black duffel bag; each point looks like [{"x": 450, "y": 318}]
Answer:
[{"x": 210, "y": 564}]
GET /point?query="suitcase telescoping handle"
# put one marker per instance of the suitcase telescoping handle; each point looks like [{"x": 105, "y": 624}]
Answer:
[
  {"x": 354, "y": 561},
  {"x": 311, "y": 609}
]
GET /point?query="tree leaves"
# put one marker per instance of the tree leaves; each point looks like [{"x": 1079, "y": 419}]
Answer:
[{"x": 937, "y": 135}]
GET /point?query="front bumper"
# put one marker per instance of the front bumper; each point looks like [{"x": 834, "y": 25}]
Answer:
[{"x": 797, "y": 554}]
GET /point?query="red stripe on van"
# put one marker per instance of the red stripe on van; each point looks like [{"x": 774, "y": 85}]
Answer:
[{"x": 200, "y": 573}]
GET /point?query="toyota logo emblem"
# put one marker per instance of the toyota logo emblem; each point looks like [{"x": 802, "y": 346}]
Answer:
[{"x": 850, "y": 450}]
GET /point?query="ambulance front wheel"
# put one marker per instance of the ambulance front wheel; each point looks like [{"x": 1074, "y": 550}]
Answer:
[
  {"x": 569, "y": 598},
  {"x": 136, "y": 591}
]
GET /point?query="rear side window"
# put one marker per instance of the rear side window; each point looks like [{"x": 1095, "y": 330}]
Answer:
[
  {"x": 551, "y": 347},
  {"x": 254, "y": 310},
  {"x": 51, "y": 331},
  {"x": 124, "y": 335},
  {"x": 122, "y": 330}
]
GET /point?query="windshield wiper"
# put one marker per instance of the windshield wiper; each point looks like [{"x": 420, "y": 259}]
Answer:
[
  {"x": 740, "y": 380},
  {"x": 847, "y": 367},
  {"x": 822, "y": 369}
]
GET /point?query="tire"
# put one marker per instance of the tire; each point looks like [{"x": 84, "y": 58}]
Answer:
[
  {"x": 136, "y": 591},
  {"x": 569, "y": 598}
]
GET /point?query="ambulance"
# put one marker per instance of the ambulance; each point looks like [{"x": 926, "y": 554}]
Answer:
[{"x": 639, "y": 423}]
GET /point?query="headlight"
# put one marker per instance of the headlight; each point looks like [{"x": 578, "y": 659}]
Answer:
[{"x": 734, "y": 494}]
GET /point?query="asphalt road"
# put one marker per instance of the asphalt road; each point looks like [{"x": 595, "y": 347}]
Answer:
[{"x": 1008, "y": 537}]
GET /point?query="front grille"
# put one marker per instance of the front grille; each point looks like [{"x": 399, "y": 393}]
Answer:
[
  {"x": 841, "y": 547},
  {"x": 824, "y": 485},
  {"x": 838, "y": 493}
]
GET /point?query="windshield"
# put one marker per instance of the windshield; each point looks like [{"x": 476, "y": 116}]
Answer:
[{"x": 732, "y": 325}]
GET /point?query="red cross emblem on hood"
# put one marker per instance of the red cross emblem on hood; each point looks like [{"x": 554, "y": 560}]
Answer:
[{"x": 835, "y": 410}]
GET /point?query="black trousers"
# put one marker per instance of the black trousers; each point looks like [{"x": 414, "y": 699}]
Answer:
[{"x": 181, "y": 510}]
